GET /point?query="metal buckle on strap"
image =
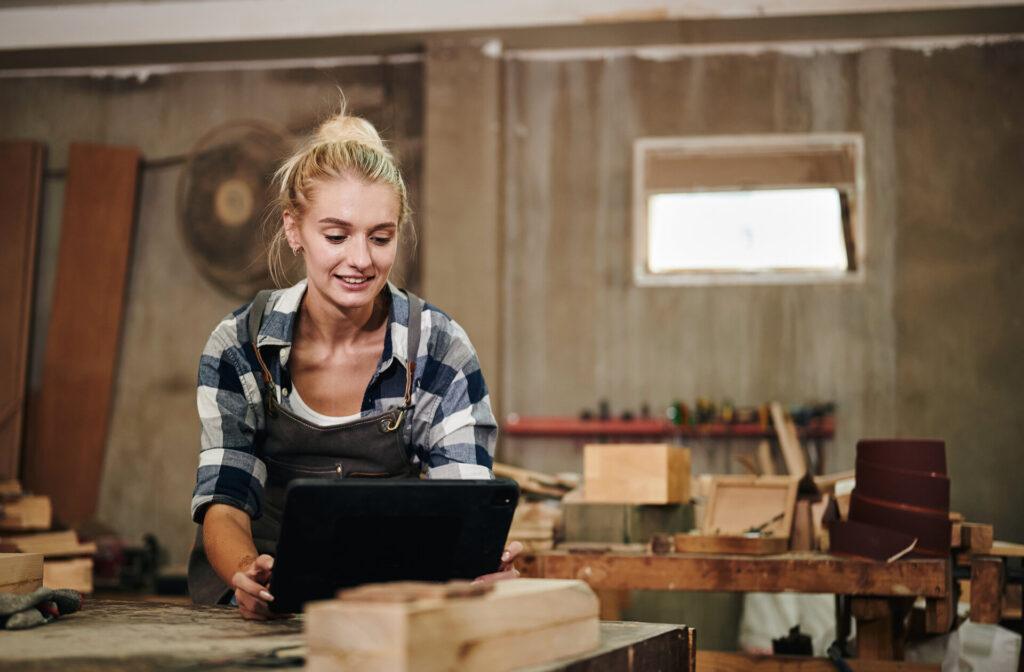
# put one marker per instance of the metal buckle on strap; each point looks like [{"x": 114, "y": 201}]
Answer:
[{"x": 388, "y": 426}]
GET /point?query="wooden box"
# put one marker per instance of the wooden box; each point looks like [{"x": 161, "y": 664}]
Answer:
[
  {"x": 738, "y": 504},
  {"x": 640, "y": 473},
  {"x": 518, "y": 623}
]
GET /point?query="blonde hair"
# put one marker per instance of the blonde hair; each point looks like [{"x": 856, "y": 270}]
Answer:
[{"x": 342, "y": 145}]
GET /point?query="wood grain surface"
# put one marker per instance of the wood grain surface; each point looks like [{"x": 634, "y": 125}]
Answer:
[
  {"x": 21, "y": 172},
  {"x": 69, "y": 421},
  {"x": 793, "y": 572}
]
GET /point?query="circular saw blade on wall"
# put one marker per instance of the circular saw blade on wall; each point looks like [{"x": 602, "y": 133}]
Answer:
[{"x": 223, "y": 197}]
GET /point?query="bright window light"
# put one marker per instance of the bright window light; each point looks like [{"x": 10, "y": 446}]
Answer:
[{"x": 746, "y": 231}]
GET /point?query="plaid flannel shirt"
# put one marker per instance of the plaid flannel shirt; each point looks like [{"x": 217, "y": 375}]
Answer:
[{"x": 451, "y": 432}]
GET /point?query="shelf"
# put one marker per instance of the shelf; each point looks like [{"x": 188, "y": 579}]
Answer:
[{"x": 568, "y": 427}]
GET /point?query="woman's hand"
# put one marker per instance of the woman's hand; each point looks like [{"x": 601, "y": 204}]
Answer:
[
  {"x": 250, "y": 584},
  {"x": 507, "y": 569}
]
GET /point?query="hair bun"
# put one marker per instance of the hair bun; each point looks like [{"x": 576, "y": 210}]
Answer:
[{"x": 344, "y": 128}]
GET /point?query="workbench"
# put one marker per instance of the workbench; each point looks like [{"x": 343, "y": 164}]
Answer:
[
  {"x": 146, "y": 636},
  {"x": 880, "y": 593}
]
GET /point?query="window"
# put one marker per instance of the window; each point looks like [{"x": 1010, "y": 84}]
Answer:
[{"x": 747, "y": 209}]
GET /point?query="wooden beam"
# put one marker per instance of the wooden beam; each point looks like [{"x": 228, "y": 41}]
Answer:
[
  {"x": 976, "y": 538},
  {"x": 64, "y": 457},
  {"x": 795, "y": 572},
  {"x": 21, "y": 173}
]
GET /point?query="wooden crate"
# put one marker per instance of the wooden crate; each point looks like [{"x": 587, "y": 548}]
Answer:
[
  {"x": 519, "y": 622},
  {"x": 640, "y": 473}
]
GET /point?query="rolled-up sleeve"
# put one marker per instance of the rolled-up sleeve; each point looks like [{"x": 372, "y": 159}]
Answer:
[
  {"x": 229, "y": 471},
  {"x": 463, "y": 431}
]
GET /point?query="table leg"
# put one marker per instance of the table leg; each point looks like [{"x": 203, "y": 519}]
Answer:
[{"x": 881, "y": 626}]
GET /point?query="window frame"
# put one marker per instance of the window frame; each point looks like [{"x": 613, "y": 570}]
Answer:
[{"x": 851, "y": 197}]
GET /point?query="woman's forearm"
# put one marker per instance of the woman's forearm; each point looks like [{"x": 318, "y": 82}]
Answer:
[{"x": 227, "y": 538}]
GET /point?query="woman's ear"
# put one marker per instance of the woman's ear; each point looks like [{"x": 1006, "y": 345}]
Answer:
[{"x": 291, "y": 232}]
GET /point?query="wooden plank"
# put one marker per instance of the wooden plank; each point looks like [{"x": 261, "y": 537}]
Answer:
[
  {"x": 764, "y": 458},
  {"x": 29, "y": 512},
  {"x": 738, "y": 503},
  {"x": 987, "y": 580},
  {"x": 1006, "y": 549},
  {"x": 636, "y": 473},
  {"x": 20, "y": 572},
  {"x": 69, "y": 422},
  {"x": 721, "y": 661},
  {"x": 792, "y": 451},
  {"x": 793, "y": 572},
  {"x": 21, "y": 173},
  {"x": 734, "y": 545},
  {"x": 75, "y": 574},
  {"x": 50, "y": 544},
  {"x": 517, "y": 623}
]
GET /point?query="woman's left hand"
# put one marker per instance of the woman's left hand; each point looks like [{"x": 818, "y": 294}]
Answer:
[{"x": 507, "y": 569}]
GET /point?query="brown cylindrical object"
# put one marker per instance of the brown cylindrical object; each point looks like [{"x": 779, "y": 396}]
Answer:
[
  {"x": 924, "y": 455},
  {"x": 905, "y": 487},
  {"x": 932, "y": 528}
]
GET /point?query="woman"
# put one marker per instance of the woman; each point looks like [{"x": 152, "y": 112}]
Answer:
[{"x": 330, "y": 388}]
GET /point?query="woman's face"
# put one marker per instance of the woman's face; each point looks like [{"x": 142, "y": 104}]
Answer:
[{"x": 348, "y": 237}]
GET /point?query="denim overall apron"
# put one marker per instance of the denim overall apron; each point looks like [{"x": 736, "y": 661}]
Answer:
[{"x": 291, "y": 447}]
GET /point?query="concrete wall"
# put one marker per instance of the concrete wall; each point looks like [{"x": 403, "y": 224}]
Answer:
[
  {"x": 928, "y": 344},
  {"x": 153, "y": 446}
]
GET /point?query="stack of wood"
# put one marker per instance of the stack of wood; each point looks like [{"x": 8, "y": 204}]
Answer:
[
  {"x": 459, "y": 626},
  {"x": 535, "y": 525},
  {"x": 25, "y": 528}
]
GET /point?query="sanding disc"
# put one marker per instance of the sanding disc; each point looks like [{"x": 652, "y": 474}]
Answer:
[{"x": 223, "y": 202}]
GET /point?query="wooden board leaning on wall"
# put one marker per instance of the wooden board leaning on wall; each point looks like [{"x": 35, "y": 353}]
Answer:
[
  {"x": 21, "y": 173},
  {"x": 68, "y": 421}
]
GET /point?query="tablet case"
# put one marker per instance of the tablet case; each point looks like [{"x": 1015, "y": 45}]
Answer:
[{"x": 338, "y": 534}]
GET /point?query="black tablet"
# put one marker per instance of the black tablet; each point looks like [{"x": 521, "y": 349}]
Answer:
[{"x": 338, "y": 534}]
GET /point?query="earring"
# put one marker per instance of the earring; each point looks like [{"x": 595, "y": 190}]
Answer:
[{"x": 296, "y": 250}]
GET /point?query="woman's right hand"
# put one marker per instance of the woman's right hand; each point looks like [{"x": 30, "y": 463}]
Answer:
[{"x": 250, "y": 584}]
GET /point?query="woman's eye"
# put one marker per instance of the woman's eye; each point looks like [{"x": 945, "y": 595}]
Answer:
[
  {"x": 335, "y": 239},
  {"x": 381, "y": 240}
]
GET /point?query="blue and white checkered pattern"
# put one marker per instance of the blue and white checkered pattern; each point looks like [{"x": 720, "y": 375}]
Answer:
[{"x": 451, "y": 432}]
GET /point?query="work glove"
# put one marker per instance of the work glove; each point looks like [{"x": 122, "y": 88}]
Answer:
[{"x": 18, "y": 612}]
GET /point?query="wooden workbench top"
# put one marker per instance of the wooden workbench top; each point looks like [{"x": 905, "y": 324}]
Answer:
[
  {"x": 791, "y": 572},
  {"x": 147, "y": 636}
]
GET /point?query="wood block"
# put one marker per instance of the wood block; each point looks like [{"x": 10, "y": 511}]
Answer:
[
  {"x": 68, "y": 422},
  {"x": 518, "y": 623},
  {"x": 50, "y": 544},
  {"x": 642, "y": 473},
  {"x": 739, "y": 503},
  {"x": 20, "y": 572},
  {"x": 976, "y": 537},
  {"x": 21, "y": 173},
  {"x": 9, "y": 488},
  {"x": 624, "y": 523},
  {"x": 30, "y": 512},
  {"x": 732, "y": 545},
  {"x": 74, "y": 574},
  {"x": 987, "y": 578}
]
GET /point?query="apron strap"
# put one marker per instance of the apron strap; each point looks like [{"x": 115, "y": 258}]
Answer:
[
  {"x": 415, "y": 312},
  {"x": 254, "y": 322}
]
